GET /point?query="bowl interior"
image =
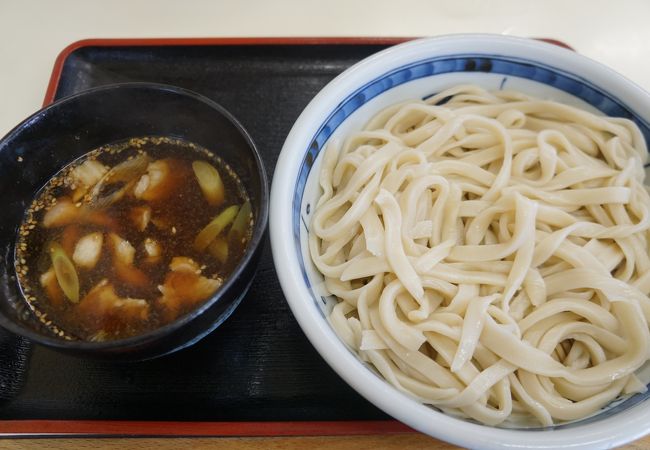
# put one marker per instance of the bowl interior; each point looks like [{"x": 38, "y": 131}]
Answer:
[
  {"x": 49, "y": 140},
  {"x": 417, "y": 71}
]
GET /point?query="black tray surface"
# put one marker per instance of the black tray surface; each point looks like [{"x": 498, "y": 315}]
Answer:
[{"x": 258, "y": 366}]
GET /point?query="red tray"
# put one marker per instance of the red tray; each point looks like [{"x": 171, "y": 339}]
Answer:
[{"x": 280, "y": 386}]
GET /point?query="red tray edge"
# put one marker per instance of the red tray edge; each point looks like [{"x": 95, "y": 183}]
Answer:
[
  {"x": 104, "y": 42},
  {"x": 45, "y": 428},
  {"x": 119, "y": 42},
  {"x": 24, "y": 428}
]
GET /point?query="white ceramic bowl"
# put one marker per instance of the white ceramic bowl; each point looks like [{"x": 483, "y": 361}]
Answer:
[{"x": 418, "y": 69}]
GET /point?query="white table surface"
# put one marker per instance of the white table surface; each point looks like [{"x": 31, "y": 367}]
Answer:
[{"x": 33, "y": 32}]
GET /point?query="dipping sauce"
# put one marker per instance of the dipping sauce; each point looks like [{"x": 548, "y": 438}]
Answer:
[{"x": 130, "y": 237}]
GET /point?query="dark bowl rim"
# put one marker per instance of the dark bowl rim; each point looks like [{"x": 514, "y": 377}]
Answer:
[{"x": 258, "y": 234}]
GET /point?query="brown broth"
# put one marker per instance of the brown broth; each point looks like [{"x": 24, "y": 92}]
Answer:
[{"x": 176, "y": 219}]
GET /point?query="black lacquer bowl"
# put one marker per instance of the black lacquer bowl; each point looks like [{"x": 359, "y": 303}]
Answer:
[{"x": 50, "y": 139}]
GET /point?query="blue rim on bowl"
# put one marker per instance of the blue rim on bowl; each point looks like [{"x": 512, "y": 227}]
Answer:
[{"x": 507, "y": 59}]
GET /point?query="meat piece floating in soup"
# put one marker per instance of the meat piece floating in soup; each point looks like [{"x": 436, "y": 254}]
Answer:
[{"x": 130, "y": 237}]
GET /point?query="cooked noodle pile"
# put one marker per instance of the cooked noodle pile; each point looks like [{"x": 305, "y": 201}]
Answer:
[{"x": 489, "y": 251}]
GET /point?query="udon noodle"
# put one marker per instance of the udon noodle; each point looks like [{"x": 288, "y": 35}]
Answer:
[{"x": 489, "y": 252}]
